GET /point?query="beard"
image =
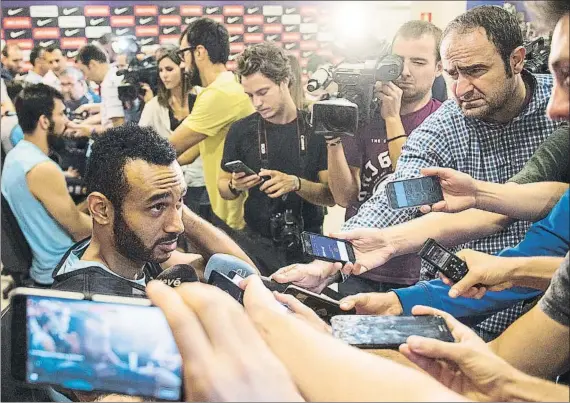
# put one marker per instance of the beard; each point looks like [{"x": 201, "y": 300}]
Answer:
[
  {"x": 131, "y": 245},
  {"x": 55, "y": 141},
  {"x": 194, "y": 75}
]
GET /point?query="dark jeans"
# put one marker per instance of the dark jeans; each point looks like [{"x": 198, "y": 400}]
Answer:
[{"x": 356, "y": 284}]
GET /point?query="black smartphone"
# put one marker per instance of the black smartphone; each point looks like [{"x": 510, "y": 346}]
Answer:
[
  {"x": 226, "y": 284},
  {"x": 387, "y": 332},
  {"x": 323, "y": 306},
  {"x": 104, "y": 344},
  {"x": 326, "y": 248},
  {"x": 270, "y": 284},
  {"x": 238, "y": 166},
  {"x": 414, "y": 192},
  {"x": 443, "y": 260}
]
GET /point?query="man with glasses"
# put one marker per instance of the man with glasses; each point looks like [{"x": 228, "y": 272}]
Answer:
[{"x": 205, "y": 47}]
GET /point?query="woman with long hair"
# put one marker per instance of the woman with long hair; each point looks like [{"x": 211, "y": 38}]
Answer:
[{"x": 164, "y": 112}]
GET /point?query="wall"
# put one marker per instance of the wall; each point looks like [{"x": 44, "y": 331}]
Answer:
[{"x": 442, "y": 12}]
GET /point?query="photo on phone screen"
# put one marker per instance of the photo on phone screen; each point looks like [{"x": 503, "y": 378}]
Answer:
[
  {"x": 97, "y": 346},
  {"x": 414, "y": 192},
  {"x": 326, "y": 248},
  {"x": 387, "y": 332}
]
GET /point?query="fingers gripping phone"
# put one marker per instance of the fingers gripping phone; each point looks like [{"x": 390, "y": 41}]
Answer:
[
  {"x": 387, "y": 332},
  {"x": 237, "y": 166},
  {"x": 414, "y": 192},
  {"x": 104, "y": 344},
  {"x": 227, "y": 285},
  {"x": 326, "y": 248},
  {"x": 323, "y": 306}
]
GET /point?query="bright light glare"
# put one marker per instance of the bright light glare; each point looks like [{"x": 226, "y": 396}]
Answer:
[{"x": 351, "y": 20}]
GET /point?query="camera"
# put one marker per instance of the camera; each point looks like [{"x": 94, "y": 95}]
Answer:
[
  {"x": 356, "y": 79},
  {"x": 286, "y": 230},
  {"x": 537, "y": 53},
  {"x": 71, "y": 115},
  {"x": 138, "y": 72},
  {"x": 335, "y": 117}
]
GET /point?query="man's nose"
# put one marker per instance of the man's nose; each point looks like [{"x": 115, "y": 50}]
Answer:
[{"x": 463, "y": 88}]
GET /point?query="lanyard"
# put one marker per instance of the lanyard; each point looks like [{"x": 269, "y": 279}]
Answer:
[{"x": 264, "y": 146}]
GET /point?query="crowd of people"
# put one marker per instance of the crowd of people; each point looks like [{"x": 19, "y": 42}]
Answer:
[{"x": 162, "y": 192}]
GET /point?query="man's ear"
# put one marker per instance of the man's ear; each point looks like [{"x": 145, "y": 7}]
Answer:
[
  {"x": 200, "y": 53},
  {"x": 438, "y": 68},
  {"x": 100, "y": 208},
  {"x": 517, "y": 59},
  {"x": 43, "y": 122}
]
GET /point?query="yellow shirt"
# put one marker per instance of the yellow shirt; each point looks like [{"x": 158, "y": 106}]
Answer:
[{"x": 218, "y": 106}]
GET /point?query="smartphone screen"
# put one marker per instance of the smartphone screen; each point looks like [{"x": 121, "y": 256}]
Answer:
[
  {"x": 327, "y": 248},
  {"x": 96, "y": 346},
  {"x": 414, "y": 192},
  {"x": 387, "y": 332},
  {"x": 226, "y": 284}
]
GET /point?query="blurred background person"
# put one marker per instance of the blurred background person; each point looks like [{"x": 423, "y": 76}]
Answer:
[
  {"x": 75, "y": 89},
  {"x": 39, "y": 66},
  {"x": 166, "y": 111},
  {"x": 122, "y": 61},
  {"x": 56, "y": 62},
  {"x": 12, "y": 62},
  {"x": 296, "y": 84}
]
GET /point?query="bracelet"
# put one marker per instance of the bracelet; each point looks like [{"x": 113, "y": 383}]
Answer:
[
  {"x": 396, "y": 138},
  {"x": 234, "y": 191}
]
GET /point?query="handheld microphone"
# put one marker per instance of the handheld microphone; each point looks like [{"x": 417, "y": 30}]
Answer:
[
  {"x": 319, "y": 79},
  {"x": 223, "y": 264},
  {"x": 178, "y": 274}
]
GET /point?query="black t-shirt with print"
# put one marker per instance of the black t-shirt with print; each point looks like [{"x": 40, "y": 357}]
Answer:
[{"x": 242, "y": 143}]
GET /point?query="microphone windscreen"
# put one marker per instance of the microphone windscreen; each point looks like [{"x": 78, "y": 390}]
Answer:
[
  {"x": 178, "y": 274},
  {"x": 223, "y": 263}
]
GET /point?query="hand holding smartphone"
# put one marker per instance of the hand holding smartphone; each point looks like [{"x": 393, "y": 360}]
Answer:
[
  {"x": 408, "y": 193},
  {"x": 326, "y": 248}
]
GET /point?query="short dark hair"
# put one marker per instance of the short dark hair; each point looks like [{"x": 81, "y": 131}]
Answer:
[
  {"x": 416, "y": 29},
  {"x": 34, "y": 101},
  {"x": 91, "y": 52},
  {"x": 502, "y": 29},
  {"x": 265, "y": 58},
  {"x": 549, "y": 12},
  {"x": 113, "y": 149},
  {"x": 211, "y": 35},
  {"x": 35, "y": 53},
  {"x": 52, "y": 48}
]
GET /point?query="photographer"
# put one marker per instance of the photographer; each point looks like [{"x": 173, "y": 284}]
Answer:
[
  {"x": 92, "y": 61},
  {"x": 166, "y": 111},
  {"x": 284, "y": 197}
]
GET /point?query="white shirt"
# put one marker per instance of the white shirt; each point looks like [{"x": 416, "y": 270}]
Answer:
[
  {"x": 52, "y": 80},
  {"x": 33, "y": 78},
  {"x": 111, "y": 105},
  {"x": 4, "y": 92}
]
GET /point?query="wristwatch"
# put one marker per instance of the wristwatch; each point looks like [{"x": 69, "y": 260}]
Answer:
[{"x": 235, "y": 191}]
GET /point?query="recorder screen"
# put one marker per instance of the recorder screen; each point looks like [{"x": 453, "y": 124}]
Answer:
[
  {"x": 329, "y": 248},
  {"x": 86, "y": 345}
]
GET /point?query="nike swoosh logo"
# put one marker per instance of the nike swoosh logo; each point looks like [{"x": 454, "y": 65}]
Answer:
[
  {"x": 253, "y": 29},
  {"x": 168, "y": 10},
  {"x": 289, "y": 10},
  {"x": 307, "y": 37},
  {"x": 211, "y": 10},
  {"x": 144, "y": 21},
  {"x": 121, "y": 10},
  {"x": 70, "y": 32},
  {"x": 289, "y": 28},
  {"x": 41, "y": 23},
  {"x": 232, "y": 20},
  {"x": 46, "y": 43},
  {"x": 289, "y": 46},
  {"x": 97, "y": 21},
  {"x": 67, "y": 11},
  {"x": 234, "y": 38},
  {"x": 271, "y": 20},
  {"x": 71, "y": 53},
  {"x": 17, "y": 34},
  {"x": 308, "y": 54},
  {"x": 169, "y": 30},
  {"x": 146, "y": 41},
  {"x": 190, "y": 20},
  {"x": 308, "y": 19},
  {"x": 252, "y": 10},
  {"x": 271, "y": 37},
  {"x": 15, "y": 11},
  {"x": 122, "y": 31}
]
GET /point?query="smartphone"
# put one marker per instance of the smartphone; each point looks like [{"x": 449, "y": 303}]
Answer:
[
  {"x": 443, "y": 260},
  {"x": 408, "y": 193},
  {"x": 387, "y": 332},
  {"x": 325, "y": 248},
  {"x": 238, "y": 166},
  {"x": 270, "y": 284},
  {"x": 323, "y": 306},
  {"x": 104, "y": 344},
  {"x": 226, "y": 284}
]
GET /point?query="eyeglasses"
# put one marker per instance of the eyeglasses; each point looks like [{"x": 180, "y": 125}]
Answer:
[{"x": 181, "y": 52}]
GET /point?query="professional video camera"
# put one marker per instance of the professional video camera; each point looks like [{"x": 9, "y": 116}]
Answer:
[
  {"x": 537, "y": 53},
  {"x": 138, "y": 72},
  {"x": 286, "y": 230},
  {"x": 355, "y": 79}
]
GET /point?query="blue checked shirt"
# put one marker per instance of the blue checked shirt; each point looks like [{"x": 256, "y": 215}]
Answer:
[{"x": 491, "y": 152}]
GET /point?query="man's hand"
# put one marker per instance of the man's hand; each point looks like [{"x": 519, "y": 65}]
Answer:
[
  {"x": 486, "y": 272},
  {"x": 314, "y": 276},
  {"x": 279, "y": 184},
  {"x": 242, "y": 182},
  {"x": 148, "y": 94},
  {"x": 372, "y": 248},
  {"x": 459, "y": 190},
  {"x": 224, "y": 357},
  {"x": 373, "y": 303},
  {"x": 303, "y": 312},
  {"x": 468, "y": 366},
  {"x": 389, "y": 98}
]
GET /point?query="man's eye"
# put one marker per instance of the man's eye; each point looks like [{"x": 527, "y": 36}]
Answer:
[{"x": 158, "y": 207}]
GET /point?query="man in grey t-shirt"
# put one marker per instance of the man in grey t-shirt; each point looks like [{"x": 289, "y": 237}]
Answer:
[{"x": 556, "y": 301}]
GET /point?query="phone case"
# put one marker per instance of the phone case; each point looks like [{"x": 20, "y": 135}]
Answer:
[
  {"x": 225, "y": 284},
  {"x": 326, "y": 308},
  {"x": 387, "y": 332},
  {"x": 238, "y": 166},
  {"x": 390, "y": 192}
]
